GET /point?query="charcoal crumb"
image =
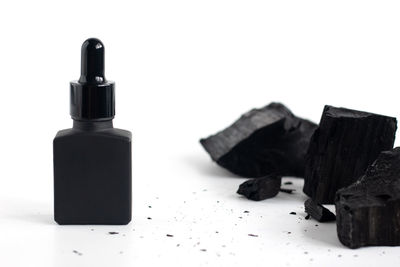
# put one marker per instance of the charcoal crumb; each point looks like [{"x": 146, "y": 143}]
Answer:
[
  {"x": 149, "y": 218},
  {"x": 203, "y": 249},
  {"x": 246, "y": 211},
  {"x": 77, "y": 252},
  {"x": 113, "y": 233},
  {"x": 253, "y": 235},
  {"x": 288, "y": 183},
  {"x": 293, "y": 213},
  {"x": 170, "y": 235},
  {"x": 150, "y": 207}
]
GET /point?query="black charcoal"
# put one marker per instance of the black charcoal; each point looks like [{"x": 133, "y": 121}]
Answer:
[
  {"x": 261, "y": 188},
  {"x": 261, "y": 142},
  {"x": 77, "y": 252},
  {"x": 318, "y": 212},
  {"x": 113, "y": 233},
  {"x": 288, "y": 191},
  {"x": 344, "y": 145},
  {"x": 368, "y": 211}
]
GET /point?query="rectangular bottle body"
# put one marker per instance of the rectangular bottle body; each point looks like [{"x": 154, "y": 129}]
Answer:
[{"x": 92, "y": 177}]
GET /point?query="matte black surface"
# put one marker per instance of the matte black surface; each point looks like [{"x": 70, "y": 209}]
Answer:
[
  {"x": 261, "y": 188},
  {"x": 318, "y": 212},
  {"x": 92, "y": 175},
  {"x": 344, "y": 145},
  {"x": 368, "y": 211},
  {"x": 261, "y": 142},
  {"x": 92, "y": 161}
]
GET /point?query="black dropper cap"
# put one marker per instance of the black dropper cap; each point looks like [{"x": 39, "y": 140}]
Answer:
[{"x": 92, "y": 96}]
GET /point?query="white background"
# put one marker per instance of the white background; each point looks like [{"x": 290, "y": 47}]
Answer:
[{"x": 184, "y": 70}]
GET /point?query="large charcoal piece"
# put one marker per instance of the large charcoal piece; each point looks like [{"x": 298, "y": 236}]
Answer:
[
  {"x": 261, "y": 188},
  {"x": 368, "y": 211},
  {"x": 261, "y": 142},
  {"x": 344, "y": 145}
]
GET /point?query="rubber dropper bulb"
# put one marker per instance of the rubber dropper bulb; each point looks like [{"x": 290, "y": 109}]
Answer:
[{"x": 92, "y": 62}]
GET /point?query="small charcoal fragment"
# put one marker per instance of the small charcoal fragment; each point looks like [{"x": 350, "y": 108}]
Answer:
[
  {"x": 318, "y": 212},
  {"x": 261, "y": 142},
  {"x": 289, "y": 191},
  {"x": 253, "y": 235},
  {"x": 293, "y": 213},
  {"x": 261, "y": 188},
  {"x": 77, "y": 252},
  {"x": 168, "y": 235},
  {"x": 368, "y": 211},
  {"x": 288, "y": 183},
  {"x": 344, "y": 145},
  {"x": 113, "y": 233}
]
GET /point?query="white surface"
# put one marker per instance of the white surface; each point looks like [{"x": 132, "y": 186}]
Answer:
[{"x": 184, "y": 70}]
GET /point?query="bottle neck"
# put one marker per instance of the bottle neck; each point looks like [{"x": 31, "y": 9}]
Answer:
[{"x": 92, "y": 125}]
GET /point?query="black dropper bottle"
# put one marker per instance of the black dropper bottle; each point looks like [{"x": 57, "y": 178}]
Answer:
[{"x": 92, "y": 160}]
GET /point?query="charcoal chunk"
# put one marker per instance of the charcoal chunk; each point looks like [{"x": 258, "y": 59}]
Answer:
[
  {"x": 343, "y": 146},
  {"x": 318, "y": 212},
  {"x": 368, "y": 211},
  {"x": 261, "y": 188},
  {"x": 261, "y": 142}
]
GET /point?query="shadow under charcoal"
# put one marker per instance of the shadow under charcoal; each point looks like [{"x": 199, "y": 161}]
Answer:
[{"x": 322, "y": 233}]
